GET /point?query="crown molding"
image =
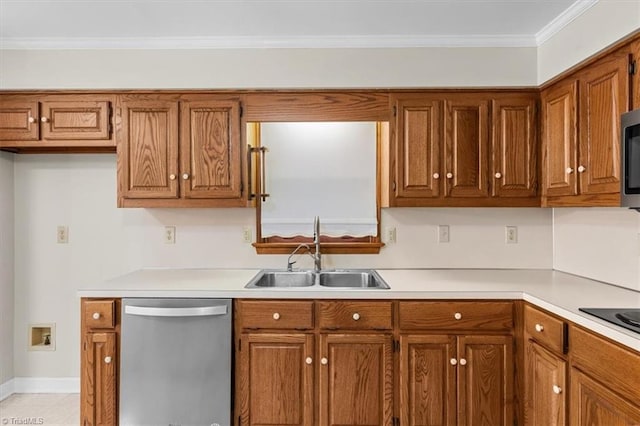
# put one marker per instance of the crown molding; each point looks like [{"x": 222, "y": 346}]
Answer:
[
  {"x": 564, "y": 19},
  {"x": 251, "y": 42}
]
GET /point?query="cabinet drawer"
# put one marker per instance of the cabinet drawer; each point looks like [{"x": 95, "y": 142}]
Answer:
[
  {"x": 355, "y": 315},
  {"x": 456, "y": 315},
  {"x": 545, "y": 329},
  {"x": 99, "y": 313},
  {"x": 271, "y": 314}
]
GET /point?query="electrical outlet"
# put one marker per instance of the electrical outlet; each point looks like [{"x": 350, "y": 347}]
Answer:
[
  {"x": 246, "y": 234},
  {"x": 511, "y": 234},
  {"x": 169, "y": 234},
  {"x": 391, "y": 235},
  {"x": 443, "y": 233},
  {"x": 63, "y": 234}
]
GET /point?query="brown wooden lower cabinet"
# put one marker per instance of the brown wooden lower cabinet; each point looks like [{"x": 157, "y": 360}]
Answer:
[
  {"x": 545, "y": 387},
  {"x": 99, "y": 380}
]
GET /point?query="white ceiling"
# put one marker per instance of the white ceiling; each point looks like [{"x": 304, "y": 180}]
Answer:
[{"x": 281, "y": 23}]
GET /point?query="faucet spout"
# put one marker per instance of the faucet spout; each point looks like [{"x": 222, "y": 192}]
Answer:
[{"x": 317, "y": 257}]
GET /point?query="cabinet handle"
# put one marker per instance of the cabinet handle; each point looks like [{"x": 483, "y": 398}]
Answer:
[
  {"x": 276, "y": 316},
  {"x": 539, "y": 328},
  {"x": 581, "y": 169},
  {"x": 463, "y": 361},
  {"x": 498, "y": 175},
  {"x": 32, "y": 120},
  {"x": 557, "y": 389},
  {"x": 172, "y": 177},
  {"x": 356, "y": 316},
  {"x": 44, "y": 119},
  {"x": 449, "y": 175},
  {"x": 436, "y": 175},
  {"x": 457, "y": 316},
  {"x": 96, "y": 315},
  {"x": 324, "y": 361},
  {"x": 308, "y": 360},
  {"x": 569, "y": 170},
  {"x": 107, "y": 360},
  {"x": 453, "y": 361},
  {"x": 185, "y": 176}
]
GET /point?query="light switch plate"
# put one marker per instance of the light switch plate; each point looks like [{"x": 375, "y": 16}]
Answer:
[
  {"x": 169, "y": 234},
  {"x": 63, "y": 234},
  {"x": 443, "y": 233}
]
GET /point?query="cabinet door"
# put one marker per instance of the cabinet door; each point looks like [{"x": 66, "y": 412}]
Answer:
[
  {"x": 418, "y": 139},
  {"x": 514, "y": 147},
  {"x": 559, "y": 144},
  {"x": 545, "y": 387},
  {"x": 81, "y": 120},
  {"x": 211, "y": 149},
  {"x": 276, "y": 379},
  {"x": 19, "y": 121},
  {"x": 99, "y": 385},
  {"x": 485, "y": 380},
  {"x": 148, "y": 149},
  {"x": 594, "y": 404},
  {"x": 356, "y": 380},
  {"x": 427, "y": 380},
  {"x": 604, "y": 96},
  {"x": 466, "y": 147}
]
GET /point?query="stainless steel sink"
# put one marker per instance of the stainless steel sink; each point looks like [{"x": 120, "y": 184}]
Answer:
[
  {"x": 347, "y": 279},
  {"x": 352, "y": 279},
  {"x": 271, "y": 279}
]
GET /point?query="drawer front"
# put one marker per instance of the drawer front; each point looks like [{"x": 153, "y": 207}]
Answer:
[
  {"x": 99, "y": 314},
  {"x": 456, "y": 315},
  {"x": 276, "y": 315},
  {"x": 544, "y": 328},
  {"x": 355, "y": 315}
]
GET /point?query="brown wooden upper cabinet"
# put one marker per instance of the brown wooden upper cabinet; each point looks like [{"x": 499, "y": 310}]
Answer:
[
  {"x": 55, "y": 121},
  {"x": 179, "y": 152},
  {"x": 463, "y": 149},
  {"x": 581, "y": 134}
]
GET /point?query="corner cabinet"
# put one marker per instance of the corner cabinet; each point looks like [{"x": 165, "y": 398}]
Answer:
[
  {"x": 179, "y": 151},
  {"x": 463, "y": 149}
]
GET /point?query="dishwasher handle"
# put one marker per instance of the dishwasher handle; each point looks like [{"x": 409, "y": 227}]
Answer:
[{"x": 201, "y": 311}]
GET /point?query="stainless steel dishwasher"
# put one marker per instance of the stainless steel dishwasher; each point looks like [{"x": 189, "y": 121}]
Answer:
[{"x": 175, "y": 362}]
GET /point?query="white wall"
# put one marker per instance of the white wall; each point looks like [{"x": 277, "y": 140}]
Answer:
[
  {"x": 601, "y": 25},
  {"x": 79, "y": 191},
  {"x": 6, "y": 267},
  {"x": 268, "y": 68}
]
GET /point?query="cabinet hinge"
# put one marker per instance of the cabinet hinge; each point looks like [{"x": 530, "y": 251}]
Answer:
[
  {"x": 632, "y": 68},
  {"x": 395, "y": 111},
  {"x": 239, "y": 421},
  {"x": 396, "y": 346},
  {"x": 393, "y": 185},
  {"x": 239, "y": 345},
  {"x": 241, "y": 188},
  {"x": 241, "y": 110},
  {"x": 396, "y": 421}
]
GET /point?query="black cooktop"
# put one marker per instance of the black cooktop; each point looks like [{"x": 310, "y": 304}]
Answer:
[{"x": 628, "y": 318}]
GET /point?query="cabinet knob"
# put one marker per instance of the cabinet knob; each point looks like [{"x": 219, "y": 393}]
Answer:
[
  {"x": 457, "y": 316},
  {"x": 581, "y": 169},
  {"x": 324, "y": 361},
  {"x": 356, "y": 316},
  {"x": 539, "y": 328},
  {"x": 44, "y": 119},
  {"x": 308, "y": 360},
  {"x": 557, "y": 389},
  {"x": 498, "y": 175},
  {"x": 453, "y": 361},
  {"x": 569, "y": 170},
  {"x": 172, "y": 177},
  {"x": 96, "y": 315},
  {"x": 32, "y": 120},
  {"x": 107, "y": 360},
  {"x": 276, "y": 316},
  {"x": 185, "y": 176},
  {"x": 449, "y": 175},
  {"x": 436, "y": 175},
  {"x": 463, "y": 361}
]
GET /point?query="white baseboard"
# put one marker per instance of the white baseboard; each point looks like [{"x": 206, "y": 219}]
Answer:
[{"x": 40, "y": 385}]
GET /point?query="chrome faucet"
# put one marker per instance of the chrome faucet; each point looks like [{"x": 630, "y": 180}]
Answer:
[
  {"x": 317, "y": 257},
  {"x": 290, "y": 263}
]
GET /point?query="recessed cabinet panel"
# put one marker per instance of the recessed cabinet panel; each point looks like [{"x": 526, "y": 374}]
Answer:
[
  {"x": 19, "y": 121},
  {"x": 82, "y": 120}
]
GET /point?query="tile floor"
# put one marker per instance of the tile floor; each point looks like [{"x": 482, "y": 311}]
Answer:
[{"x": 47, "y": 409}]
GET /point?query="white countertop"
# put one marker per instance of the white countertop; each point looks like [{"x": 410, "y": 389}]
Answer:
[{"x": 554, "y": 291}]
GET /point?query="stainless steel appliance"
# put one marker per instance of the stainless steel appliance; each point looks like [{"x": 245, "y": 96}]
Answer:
[
  {"x": 628, "y": 318},
  {"x": 175, "y": 362},
  {"x": 630, "y": 160}
]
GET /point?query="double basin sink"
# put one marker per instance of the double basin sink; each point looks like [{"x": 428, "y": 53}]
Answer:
[{"x": 348, "y": 278}]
